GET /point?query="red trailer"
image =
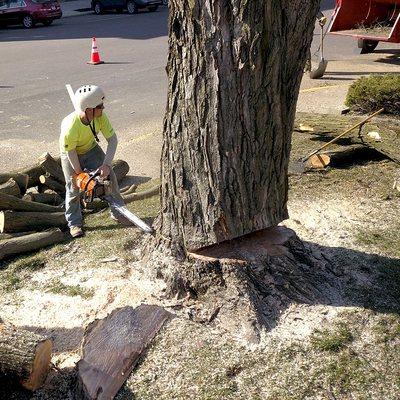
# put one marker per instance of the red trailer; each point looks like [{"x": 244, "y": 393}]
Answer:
[{"x": 371, "y": 21}]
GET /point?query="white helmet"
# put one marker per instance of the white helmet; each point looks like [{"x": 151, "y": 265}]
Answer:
[{"x": 88, "y": 96}]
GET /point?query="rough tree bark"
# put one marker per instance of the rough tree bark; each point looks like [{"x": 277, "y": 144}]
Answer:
[{"x": 234, "y": 72}]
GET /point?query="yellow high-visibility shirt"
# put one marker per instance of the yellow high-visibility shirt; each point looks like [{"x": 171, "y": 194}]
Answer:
[{"x": 77, "y": 136}]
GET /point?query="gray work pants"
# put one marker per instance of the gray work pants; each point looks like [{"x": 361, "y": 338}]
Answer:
[{"x": 91, "y": 160}]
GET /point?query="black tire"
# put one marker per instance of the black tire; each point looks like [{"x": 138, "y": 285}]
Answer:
[
  {"x": 367, "y": 46},
  {"x": 48, "y": 22},
  {"x": 28, "y": 22},
  {"x": 131, "y": 7},
  {"x": 153, "y": 8},
  {"x": 98, "y": 8},
  {"x": 165, "y": 2}
]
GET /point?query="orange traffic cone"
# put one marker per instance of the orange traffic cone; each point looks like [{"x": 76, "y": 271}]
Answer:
[{"x": 95, "y": 57}]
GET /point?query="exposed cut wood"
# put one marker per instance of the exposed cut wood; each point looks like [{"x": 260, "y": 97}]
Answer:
[
  {"x": 24, "y": 356},
  {"x": 52, "y": 167},
  {"x": 10, "y": 187},
  {"x": 13, "y": 221},
  {"x": 52, "y": 183},
  {"x": 53, "y": 199},
  {"x": 318, "y": 161},
  {"x": 112, "y": 347},
  {"x": 20, "y": 178},
  {"x": 27, "y": 243},
  {"x": 33, "y": 173},
  {"x": 8, "y": 202},
  {"x": 120, "y": 168}
]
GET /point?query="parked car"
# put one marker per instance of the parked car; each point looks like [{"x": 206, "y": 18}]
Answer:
[
  {"x": 132, "y": 6},
  {"x": 29, "y": 12}
]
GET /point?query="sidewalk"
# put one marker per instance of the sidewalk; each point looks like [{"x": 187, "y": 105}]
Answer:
[{"x": 75, "y": 7}]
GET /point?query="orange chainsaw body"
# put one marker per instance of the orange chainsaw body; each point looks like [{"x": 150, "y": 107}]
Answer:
[{"x": 91, "y": 185}]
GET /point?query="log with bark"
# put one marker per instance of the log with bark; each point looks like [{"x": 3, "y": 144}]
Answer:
[
  {"x": 4, "y": 236},
  {"x": 120, "y": 168},
  {"x": 21, "y": 179},
  {"x": 33, "y": 173},
  {"x": 51, "y": 183},
  {"x": 10, "y": 187},
  {"x": 52, "y": 199},
  {"x": 113, "y": 346},
  {"x": 24, "y": 356},
  {"x": 27, "y": 243},
  {"x": 13, "y": 221},
  {"x": 52, "y": 167},
  {"x": 8, "y": 202},
  {"x": 99, "y": 205},
  {"x": 343, "y": 155}
]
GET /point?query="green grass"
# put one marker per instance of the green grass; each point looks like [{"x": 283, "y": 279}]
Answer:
[
  {"x": 104, "y": 238},
  {"x": 332, "y": 340},
  {"x": 57, "y": 287}
]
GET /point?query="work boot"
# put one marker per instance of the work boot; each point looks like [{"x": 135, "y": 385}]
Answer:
[{"x": 76, "y": 231}]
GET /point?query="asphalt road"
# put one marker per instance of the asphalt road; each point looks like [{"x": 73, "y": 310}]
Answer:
[{"x": 36, "y": 64}]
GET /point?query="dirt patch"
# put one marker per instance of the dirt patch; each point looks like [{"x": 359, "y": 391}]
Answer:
[{"x": 348, "y": 348}]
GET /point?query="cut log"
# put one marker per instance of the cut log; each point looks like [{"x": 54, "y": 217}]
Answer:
[
  {"x": 52, "y": 167},
  {"x": 144, "y": 194},
  {"x": 33, "y": 174},
  {"x": 52, "y": 183},
  {"x": 8, "y": 202},
  {"x": 128, "y": 189},
  {"x": 99, "y": 205},
  {"x": 11, "y": 188},
  {"x": 30, "y": 242},
  {"x": 342, "y": 156},
  {"x": 120, "y": 168},
  {"x": 12, "y": 221},
  {"x": 21, "y": 179},
  {"x": 4, "y": 236},
  {"x": 24, "y": 356},
  {"x": 52, "y": 199},
  {"x": 112, "y": 347}
]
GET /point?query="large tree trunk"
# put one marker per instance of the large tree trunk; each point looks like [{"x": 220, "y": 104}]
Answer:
[{"x": 234, "y": 74}]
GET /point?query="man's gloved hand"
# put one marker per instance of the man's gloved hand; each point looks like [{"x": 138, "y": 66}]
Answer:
[{"x": 104, "y": 171}]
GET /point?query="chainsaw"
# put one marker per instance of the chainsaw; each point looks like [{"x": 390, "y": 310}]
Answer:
[{"x": 93, "y": 186}]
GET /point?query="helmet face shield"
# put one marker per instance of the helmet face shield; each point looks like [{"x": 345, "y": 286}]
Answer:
[{"x": 89, "y": 96}]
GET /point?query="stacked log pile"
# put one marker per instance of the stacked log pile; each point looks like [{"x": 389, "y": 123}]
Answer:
[{"x": 31, "y": 205}]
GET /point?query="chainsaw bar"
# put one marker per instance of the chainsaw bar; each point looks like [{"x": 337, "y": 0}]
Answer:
[{"x": 130, "y": 216}]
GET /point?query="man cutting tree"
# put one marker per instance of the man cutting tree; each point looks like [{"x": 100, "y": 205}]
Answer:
[{"x": 80, "y": 151}]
